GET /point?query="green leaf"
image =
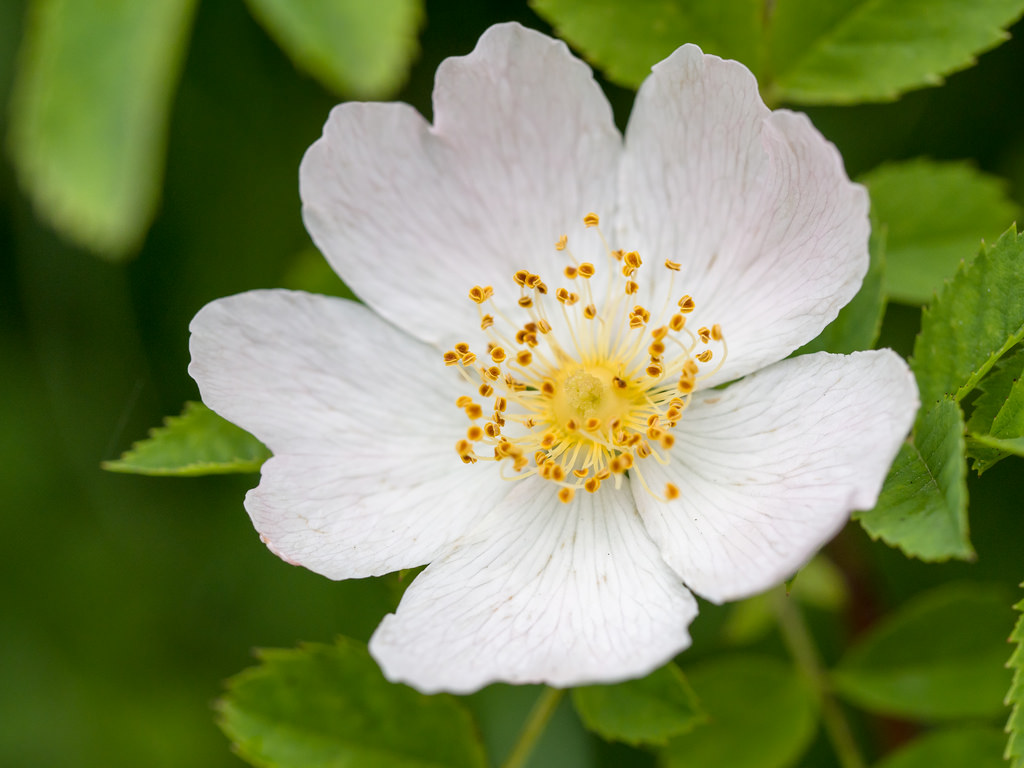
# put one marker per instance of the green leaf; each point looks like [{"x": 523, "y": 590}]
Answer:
[
  {"x": 851, "y": 51},
  {"x": 858, "y": 324},
  {"x": 938, "y": 656},
  {"x": 645, "y": 711},
  {"x": 936, "y": 213},
  {"x": 923, "y": 505},
  {"x": 625, "y": 40},
  {"x": 1015, "y": 697},
  {"x": 819, "y": 584},
  {"x": 996, "y": 427},
  {"x": 978, "y": 318},
  {"x": 977, "y": 746},
  {"x": 356, "y": 48},
  {"x": 198, "y": 442},
  {"x": 89, "y": 114},
  {"x": 761, "y": 714},
  {"x": 323, "y": 706}
]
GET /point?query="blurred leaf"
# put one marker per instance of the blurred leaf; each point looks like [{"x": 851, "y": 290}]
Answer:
[
  {"x": 357, "y": 49},
  {"x": 625, "y": 40},
  {"x": 977, "y": 746},
  {"x": 309, "y": 271},
  {"x": 852, "y": 51},
  {"x": 923, "y": 505},
  {"x": 937, "y": 213},
  {"x": 938, "y": 656},
  {"x": 89, "y": 114},
  {"x": 198, "y": 442},
  {"x": 324, "y": 706},
  {"x": 996, "y": 425},
  {"x": 761, "y": 714},
  {"x": 858, "y": 324},
  {"x": 819, "y": 584},
  {"x": 978, "y": 318},
  {"x": 645, "y": 711},
  {"x": 1015, "y": 697}
]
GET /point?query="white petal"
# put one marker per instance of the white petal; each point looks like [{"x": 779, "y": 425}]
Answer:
[
  {"x": 540, "y": 592},
  {"x": 412, "y": 216},
  {"x": 770, "y": 468},
  {"x": 361, "y": 418},
  {"x": 756, "y": 206}
]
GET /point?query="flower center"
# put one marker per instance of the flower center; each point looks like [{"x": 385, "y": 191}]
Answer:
[{"x": 578, "y": 394}]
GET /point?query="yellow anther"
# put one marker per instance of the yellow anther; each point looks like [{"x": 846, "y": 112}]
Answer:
[
  {"x": 561, "y": 243},
  {"x": 544, "y": 326},
  {"x": 632, "y": 259},
  {"x": 571, "y": 425},
  {"x": 464, "y": 447},
  {"x": 532, "y": 281},
  {"x": 581, "y": 473},
  {"x": 463, "y": 401},
  {"x": 686, "y": 383},
  {"x": 675, "y": 402},
  {"x": 691, "y": 368},
  {"x": 653, "y": 420},
  {"x": 557, "y": 473},
  {"x": 618, "y": 254},
  {"x": 539, "y": 457},
  {"x": 704, "y": 334},
  {"x": 451, "y": 358},
  {"x": 548, "y": 440},
  {"x": 468, "y": 359},
  {"x": 673, "y": 265},
  {"x": 631, "y": 287},
  {"x": 590, "y": 311},
  {"x": 520, "y": 277},
  {"x": 671, "y": 492},
  {"x": 492, "y": 430},
  {"x": 486, "y": 322},
  {"x": 481, "y": 293},
  {"x": 677, "y": 322},
  {"x": 492, "y": 373},
  {"x": 541, "y": 288},
  {"x": 524, "y": 357},
  {"x": 519, "y": 463},
  {"x": 462, "y": 348},
  {"x": 485, "y": 390},
  {"x": 716, "y": 332},
  {"x": 498, "y": 355},
  {"x": 619, "y": 383},
  {"x": 500, "y": 404},
  {"x": 474, "y": 411},
  {"x": 474, "y": 433},
  {"x": 525, "y": 302},
  {"x": 654, "y": 370},
  {"x": 591, "y": 220},
  {"x": 547, "y": 387},
  {"x": 659, "y": 333},
  {"x": 592, "y": 485},
  {"x": 653, "y": 433},
  {"x": 673, "y": 414},
  {"x": 586, "y": 269},
  {"x": 603, "y": 474},
  {"x": 530, "y": 327},
  {"x": 704, "y": 356},
  {"x": 565, "y": 494},
  {"x": 616, "y": 465},
  {"x": 643, "y": 450},
  {"x": 656, "y": 348},
  {"x": 592, "y": 424},
  {"x": 562, "y": 295},
  {"x": 666, "y": 440},
  {"x": 687, "y": 304},
  {"x": 571, "y": 272}
]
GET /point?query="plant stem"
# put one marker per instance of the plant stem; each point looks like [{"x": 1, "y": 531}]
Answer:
[
  {"x": 535, "y": 724},
  {"x": 801, "y": 647}
]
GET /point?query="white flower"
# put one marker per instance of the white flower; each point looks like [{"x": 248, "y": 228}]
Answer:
[{"x": 537, "y": 573}]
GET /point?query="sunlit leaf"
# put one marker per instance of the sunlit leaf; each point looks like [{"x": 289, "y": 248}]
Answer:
[
  {"x": 977, "y": 746},
  {"x": 977, "y": 319},
  {"x": 89, "y": 114},
  {"x": 850, "y": 51},
  {"x": 356, "y": 48},
  {"x": 625, "y": 39},
  {"x": 761, "y": 714},
  {"x": 859, "y": 322},
  {"x": 1015, "y": 698},
  {"x": 938, "y": 656},
  {"x": 996, "y": 427},
  {"x": 198, "y": 442},
  {"x": 936, "y": 214},
  {"x": 645, "y": 711},
  {"x": 324, "y": 706},
  {"x": 923, "y": 505}
]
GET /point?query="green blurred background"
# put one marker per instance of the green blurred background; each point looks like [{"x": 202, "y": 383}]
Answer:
[{"x": 128, "y": 600}]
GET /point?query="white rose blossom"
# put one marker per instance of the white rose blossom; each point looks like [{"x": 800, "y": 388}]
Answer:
[{"x": 553, "y": 445}]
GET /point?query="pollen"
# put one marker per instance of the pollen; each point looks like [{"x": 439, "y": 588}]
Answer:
[{"x": 587, "y": 385}]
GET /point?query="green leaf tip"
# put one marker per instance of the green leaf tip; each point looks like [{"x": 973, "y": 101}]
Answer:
[
  {"x": 650, "y": 710},
  {"x": 329, "y": 706},
  {"x": 198, "y": 442},
  {"x": 1015, "y": 696},
  {"x": 922, "y": 508}
]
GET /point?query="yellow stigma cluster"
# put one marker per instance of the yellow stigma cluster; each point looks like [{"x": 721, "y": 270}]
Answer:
[{"x": 588, "y": 394}]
